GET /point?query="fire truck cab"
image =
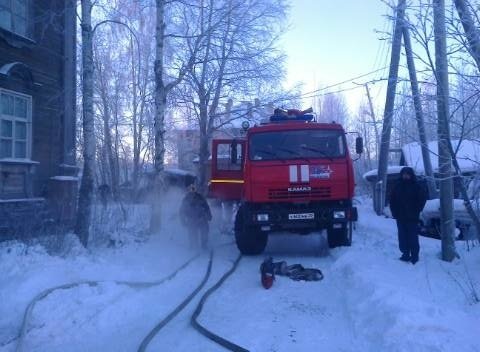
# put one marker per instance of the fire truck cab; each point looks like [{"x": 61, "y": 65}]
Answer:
[{"x": 291, "y": 174}]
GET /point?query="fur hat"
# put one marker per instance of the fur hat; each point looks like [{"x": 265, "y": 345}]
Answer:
[{"x": 408, "y": 171}]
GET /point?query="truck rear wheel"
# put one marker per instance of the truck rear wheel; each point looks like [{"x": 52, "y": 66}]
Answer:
[
  {"x": 250, "y": 241},
  {"x": 340, "y": 237}
]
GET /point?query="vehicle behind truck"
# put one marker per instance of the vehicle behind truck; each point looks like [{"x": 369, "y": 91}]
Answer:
[{"x": 291, "y": 174}]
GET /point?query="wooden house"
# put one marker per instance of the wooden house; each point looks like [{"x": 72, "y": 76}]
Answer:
[{"x": 38, "y": 182}]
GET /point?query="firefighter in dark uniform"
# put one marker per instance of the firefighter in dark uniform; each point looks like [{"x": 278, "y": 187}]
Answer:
[
  {"x": 406, "y": 202},
  {"x": 195, "y": 215}
]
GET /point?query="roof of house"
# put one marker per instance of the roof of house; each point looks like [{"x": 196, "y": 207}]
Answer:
[
  {"x": 372, "y": 174},
  {"x": 467, "y": 152}
]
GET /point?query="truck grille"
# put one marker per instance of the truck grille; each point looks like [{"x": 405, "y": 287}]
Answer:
[{"x": 314, "y": 193}]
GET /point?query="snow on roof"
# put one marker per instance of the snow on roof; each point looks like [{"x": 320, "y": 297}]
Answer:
[
  {"x": 468, "y": 155},
  {"x": 179, "y": 172},
  {"x": 391, "y": 170},
  {"x": 65, "y": 178},
  {"x": 13, "y": 200},
  {"x": 18, "y": 161}
]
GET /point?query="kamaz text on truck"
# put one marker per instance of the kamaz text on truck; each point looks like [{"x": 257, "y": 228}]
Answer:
[{"x": 291, "y": 174}]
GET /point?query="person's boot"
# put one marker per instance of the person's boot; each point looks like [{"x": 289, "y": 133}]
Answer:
[
  {"x": 405, "y": 258},
  {"x": 414, "y": 260}
]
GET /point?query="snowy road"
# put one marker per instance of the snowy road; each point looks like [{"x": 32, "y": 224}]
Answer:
[
  {"x": 291, "y": 316},
  {"x": 368, "y": 300}
]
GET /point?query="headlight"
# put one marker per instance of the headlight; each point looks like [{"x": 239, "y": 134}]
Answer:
[
  {"x": 262, "y": 217},
  {"x": 339, "y": 214}
]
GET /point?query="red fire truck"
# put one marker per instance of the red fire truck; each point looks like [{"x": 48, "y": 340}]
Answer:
[{"x": 291, "y": 174}]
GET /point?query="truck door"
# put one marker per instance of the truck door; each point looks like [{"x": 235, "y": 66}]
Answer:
[{"x": 228, "y": 156}]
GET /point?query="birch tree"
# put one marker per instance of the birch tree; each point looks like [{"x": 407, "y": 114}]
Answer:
[
  {"x": 164, "y": 84},
  {"x": 237, "y": 59},
  {"x": 124, "y": 56},
  {"x": 82, "y": 227}
]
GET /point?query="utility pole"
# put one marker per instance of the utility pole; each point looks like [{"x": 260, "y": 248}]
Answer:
[
  {"x": 444, "y": 158},
  {"x": 389, "y": 105},
  {"x": 427, "y": 164}
]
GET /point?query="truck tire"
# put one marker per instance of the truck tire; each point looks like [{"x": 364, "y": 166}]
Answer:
[
  {"x": 340, "y": 237},
  {"x": 249, "y": 240}
]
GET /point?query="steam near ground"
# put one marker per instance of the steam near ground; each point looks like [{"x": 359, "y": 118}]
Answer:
[{"x": 368, "y": 301}]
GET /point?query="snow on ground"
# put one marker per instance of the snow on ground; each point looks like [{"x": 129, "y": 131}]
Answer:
[
  {"x": 402, "y": 307},
  {"x": 368, "y": 301}
]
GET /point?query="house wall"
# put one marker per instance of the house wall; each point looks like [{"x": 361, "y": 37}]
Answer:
[{"x": 42, "y": 65}]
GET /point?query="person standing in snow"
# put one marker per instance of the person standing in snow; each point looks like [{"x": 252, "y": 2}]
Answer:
[
  {"x": 195, "y": 215},
  {"x": 407, "y": 200}
]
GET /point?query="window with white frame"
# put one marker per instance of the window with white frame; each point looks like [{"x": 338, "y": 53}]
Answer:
[
  {"x": 14, "y": 16},
  {"x": 15, "y": 126}
]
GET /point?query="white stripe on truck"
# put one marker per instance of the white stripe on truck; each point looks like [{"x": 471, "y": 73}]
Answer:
[
  {"x": 293, "y": 173},
  {"x": 305, "y": 173}
]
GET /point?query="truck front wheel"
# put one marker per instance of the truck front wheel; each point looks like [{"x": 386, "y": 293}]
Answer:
[
  {"x": 340, "y": 237},
  {"x": 250, "y": 241}
]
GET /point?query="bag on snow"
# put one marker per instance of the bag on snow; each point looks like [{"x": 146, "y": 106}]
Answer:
[{"x": 296, "y": 272}]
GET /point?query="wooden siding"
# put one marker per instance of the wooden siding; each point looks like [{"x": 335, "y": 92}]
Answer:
[{"x": 44, "y": 56}]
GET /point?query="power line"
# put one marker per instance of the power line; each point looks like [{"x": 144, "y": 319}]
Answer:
[
  {"x": 357, "y": 86},
  {"x": 346, "y": 81}
]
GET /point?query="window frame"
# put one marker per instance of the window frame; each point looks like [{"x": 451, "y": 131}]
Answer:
[
  {"x": 226, "y": 162},
  {"x": 28, "y": 23},
  {"x": 27, "y": 120},
  {"x": 341, "y": 140}
]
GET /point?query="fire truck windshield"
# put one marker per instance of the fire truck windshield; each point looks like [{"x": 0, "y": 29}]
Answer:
[{"x": 297, "y": 144}]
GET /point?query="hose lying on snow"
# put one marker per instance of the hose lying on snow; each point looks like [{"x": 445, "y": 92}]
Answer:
[
  {"x": 45, "y": 293},
  {"x": 178, "y": 309},
  {"x": 204, "y": 331}
]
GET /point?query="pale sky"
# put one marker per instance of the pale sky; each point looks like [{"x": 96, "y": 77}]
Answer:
[{"x": 331, "y": 41}]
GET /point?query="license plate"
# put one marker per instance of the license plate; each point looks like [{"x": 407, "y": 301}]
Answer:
[{"x": 301, "y": 216}]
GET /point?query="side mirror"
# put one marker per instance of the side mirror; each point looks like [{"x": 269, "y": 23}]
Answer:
[
  {"x": 233, "y": 153},
  {"x": 359, "y": 145}
]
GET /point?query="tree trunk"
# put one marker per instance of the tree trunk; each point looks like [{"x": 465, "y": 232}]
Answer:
[
  {"x": 473, "y": 37},
  {"x": 208, "y": 111},
  {"x": 203, "y": 150},
  {"x": 427, "y": 163},
  {"x": 114, "y": 157},
  {"x": 136, "y": 144},
  {"x": 84, "y": 214},
  {"x": 471, "y": 30},
  {"x": 160, "y": 104},
  {"x": 389, "y": 104},
  {"x": 374, "y": 120},
  {"x": 444, "y": 157},
  {"x": 107, "y": 135}
]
